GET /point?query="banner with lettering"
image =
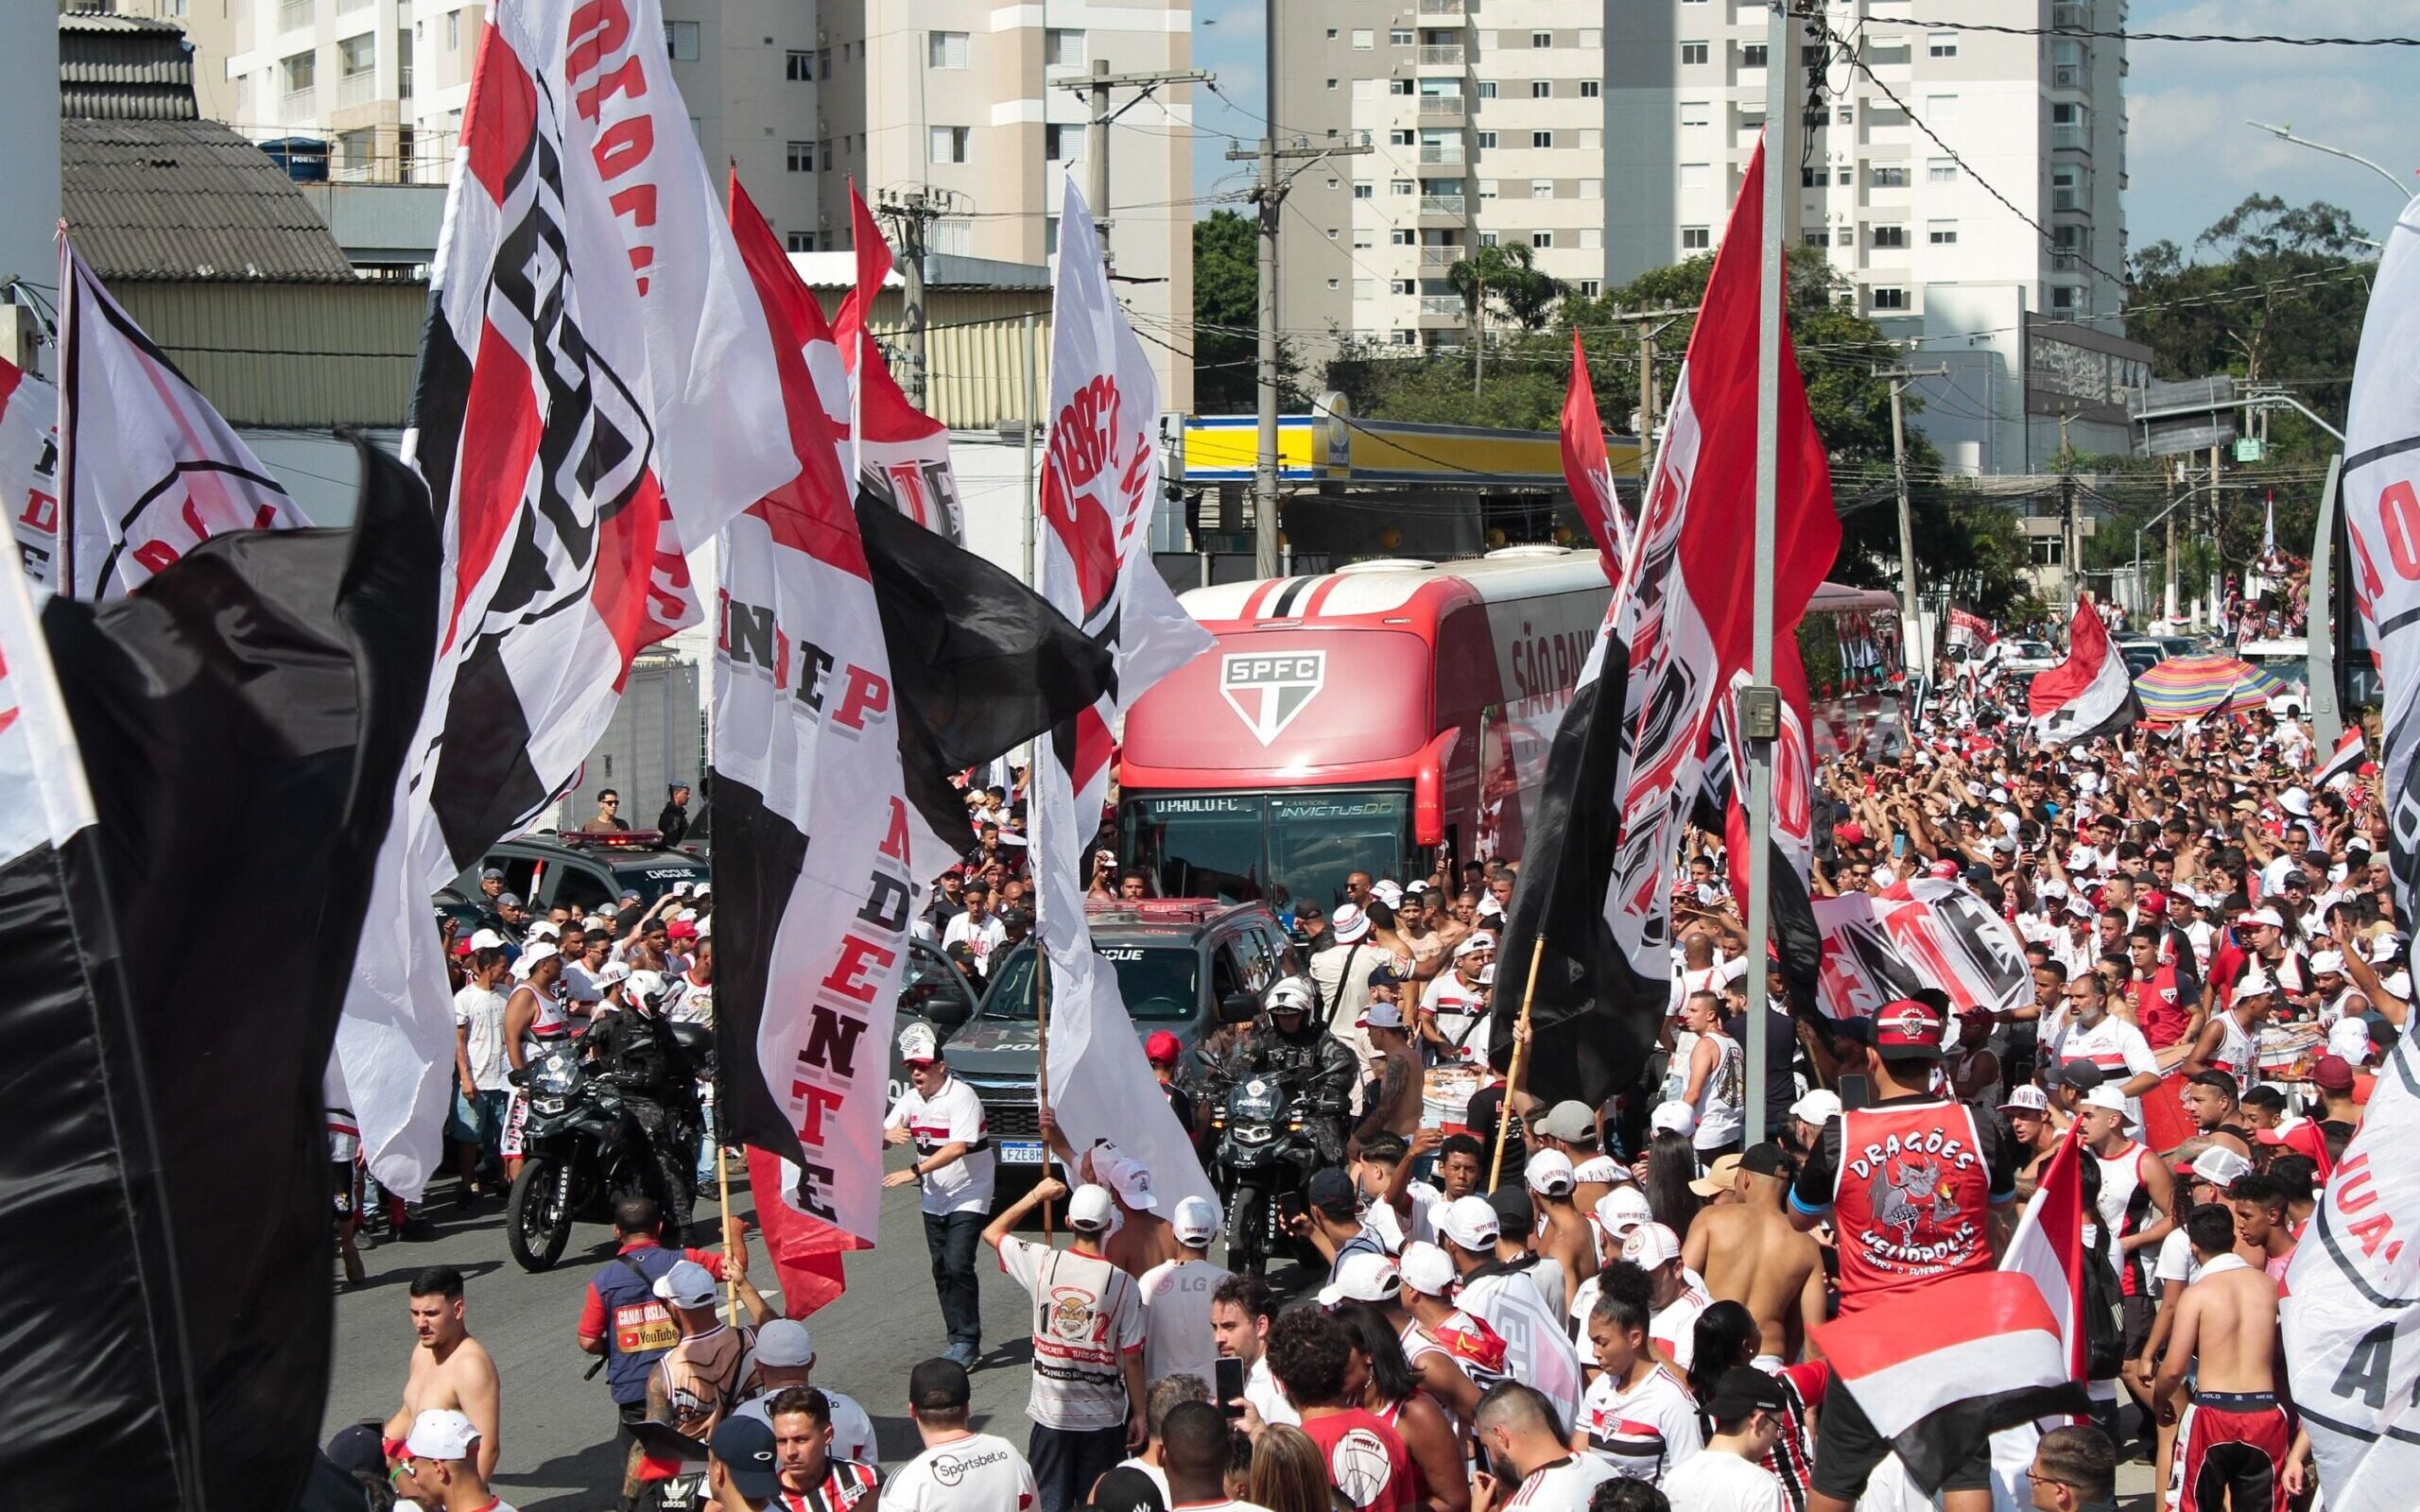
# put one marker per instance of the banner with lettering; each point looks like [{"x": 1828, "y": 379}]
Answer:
[
  {"x": 1924, "y": 932},
  {"x": 29, "y": 468}
]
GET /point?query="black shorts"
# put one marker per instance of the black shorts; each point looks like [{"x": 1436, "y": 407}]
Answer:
[
  {"x": 627, "y": 1413},
  {"x": 2134, "y": 1315},
  {"x": 1848, "y": 1447}
]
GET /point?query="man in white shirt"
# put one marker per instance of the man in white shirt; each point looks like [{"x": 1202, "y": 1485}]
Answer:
[
  {"x": 1240, "y": 1315},
  {"x": 786, "y": 1360},
  {"x": 1746, "y": 1409},
  {"x": 1531, "y": 1463},
  {"x": 2090, "y": 1032},
  {"x": 977, "y": 929},
  {"x": 1177, "y": 1334},
  {"x": 481, "y": 1090},
  {"x": 945, "y": 1119},
  {"x": 1674, "y": 1301},
  {"x": 1087, "y": 1397},
  {"x": 1193, "y": 1452},
  {"x": 959, "y": 1471}
]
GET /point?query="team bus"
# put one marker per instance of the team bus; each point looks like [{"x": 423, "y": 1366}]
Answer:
[{"x": 1364, "y": 718}]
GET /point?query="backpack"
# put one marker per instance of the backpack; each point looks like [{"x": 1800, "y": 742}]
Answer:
[{"x": 2104, "y": 1346}]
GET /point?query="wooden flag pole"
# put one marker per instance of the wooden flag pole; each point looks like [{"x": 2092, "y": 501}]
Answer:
[
  {"x": 722, "y": 1188},
  {"x": 1042, "y": 1080},
  {"x": 1518, "y": 1064}
]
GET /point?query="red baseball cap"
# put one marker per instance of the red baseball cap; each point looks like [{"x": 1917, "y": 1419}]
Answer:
[
  {"x": 1909, "y": 1030},
  {"x": 1850, "y": 834},
  {"x": 2154, "y": 904},
  {"x": 1162, "y": 1047}
]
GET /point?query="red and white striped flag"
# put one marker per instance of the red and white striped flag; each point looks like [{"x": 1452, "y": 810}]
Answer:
[
  {"x": 902, "y": 453},
  {"x": 1587, "y": 470},
  {"x": 2350, "y": 753},
  {"x": 2088, "y": 694}
]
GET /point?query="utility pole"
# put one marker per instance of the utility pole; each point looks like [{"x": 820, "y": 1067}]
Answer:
[
  {"x": 2071, "y": 521},
  {"x": 909, "y": 212},
  {"x": 1095, "y": 88},
  {"x": 1269, "y": 199},
  {"x": 1908, "y": 620},
  {"x": 1648, "y": 418}
]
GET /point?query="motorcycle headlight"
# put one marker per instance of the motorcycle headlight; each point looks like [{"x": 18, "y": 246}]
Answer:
[{"x": 554, "y": 1073}]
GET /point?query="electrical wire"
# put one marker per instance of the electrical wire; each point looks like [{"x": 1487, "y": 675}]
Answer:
[{"x": 2263, "y": 39}]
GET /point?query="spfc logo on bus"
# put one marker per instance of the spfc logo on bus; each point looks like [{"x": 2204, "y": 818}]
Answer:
[{"x": 1266, "y": 691}]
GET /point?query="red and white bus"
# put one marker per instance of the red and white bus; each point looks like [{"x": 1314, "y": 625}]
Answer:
[{"x": 1355, "y": 720}]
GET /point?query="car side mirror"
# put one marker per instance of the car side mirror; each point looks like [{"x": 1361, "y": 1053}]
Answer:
[{"x": 1239, "y": 1007}]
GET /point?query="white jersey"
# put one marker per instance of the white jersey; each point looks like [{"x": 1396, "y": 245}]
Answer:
[
  {"x": 976, "y": 1474},
  {"x": 1720, "y": 1481},
  {"x": 1645, "y": 1431},
  {"x": 480, "y": 1010},
  {"x": 852, "y": 1429},
  {"x": 2239, "y": 1052},
  {"x": 1536, "y": 1349},
  {"x": 1087, "y": 1316},
  {"x": 1564, "y": 1486},
  {"x": 1675, "y": 1325},
  {"x": 2113, "y": 1045},
  {"x": 1176, "y": 1338},
  {"x": 1267, "y": 1397},
  {"x": 691, "y": 1002},
  {"x": 953, "y": 1115},
  {"x": 980, "y": 939},
  {"x": 1722, "y": 1095}
]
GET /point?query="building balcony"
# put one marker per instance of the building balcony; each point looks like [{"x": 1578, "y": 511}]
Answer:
[
  {"x": 2071, "y": 139},
  {"x": 295, "y": 15},
  {"x": 1442, "y": 256},
  {"x": 1441, "y": 55},
  {"x": 301, "y": 104},
  {"x": 1442, "y": 304},
  {"x": 1449, "y": 206},
  {"x": 356, "y": 89},
  {"x": 1440, "y": 107},
  {"x": 1441, "y": 7},
  {"x": 1450, "y": 155}
]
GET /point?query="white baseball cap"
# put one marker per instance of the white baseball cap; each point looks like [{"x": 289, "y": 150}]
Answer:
[
  {"x": 1349, "y": 923},
  {"x": 1364, "y": 1277},
  {"x": 1673, "y": 1117},
  {"x": 2264, "y": 915},
  {"x": 486, "y": 939},
  {"x": 1622, "y": 1209},
  {"x": 919, "y": 1045},
  {"x": 2109, "y": 1100},
  {"x": 1195, "y": 1221},
  {"x": 686, "y": 1285},
  {"x": 547, "y": 928},
  {"x": 785, "y": 1344},
  {"x": 1483, "y": 940},
  {"x": 1131, "y": 1179},
  {"x": 2323, "y": 962},
  {"x": 442, "y": 1433},
  {"x": 1650, "y": 1244},
  {"x": 1427, "y": 1269},
  {"x": 1818, "y": 1108},
  {"x": 2027, "y": 1099},
  {"x": 1380, "y": 1015},
  {"x": 1091, "y": 1208},
  {"x": 532, "y": 955},
  {"x": 1550, "y": 1174},
  {"x": 2221, "y": 1166},
  {"x": 1389, "y": 893},
  {"x": 1469, "y": 1222}
]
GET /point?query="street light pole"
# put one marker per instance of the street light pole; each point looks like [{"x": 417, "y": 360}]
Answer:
[{"x": 2286, "y": 134}]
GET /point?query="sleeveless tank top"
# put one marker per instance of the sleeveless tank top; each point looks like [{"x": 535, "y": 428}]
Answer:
[
  {"x": 2125, "y": 1202},
  {"x": 1910, "y": 1199},
  {"x": 2239, "y": 1053}
]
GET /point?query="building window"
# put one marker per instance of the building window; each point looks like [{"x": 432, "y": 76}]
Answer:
[
  {"x": 949, "y": 144},
  {"x": 1695, "y": 238},
  {"x": 1402, "y": 286},
  {"x": 1401, "y": 338},
  {"x": 2062, "y": 296},
  {"x": 1818, "y": 237},
  {"x": 1890, "y": 298},
  {"x": 1399, "y": 36},
  {"x": 802, "y": 156},
  {"x": 1590, "y": 289},
  {"x": 453, "y": 31},
  {"x": 1363, "y": 39},
  {"x": 1487, "y": 191},
  {"x": 1542, "y": 139},
  {"x": 1941, "y": 232},
  {"x": 1889, "y": 175},
  {"x": 1062, "y": 48},
  {"x": 1813, "y": 178},
  {"x": 1882, "y": 52},
  {"x": 1487, "y": 238},
  {"x": 1592, "y": 188},
  {"x": 1542, "y": 240},
  {"x": 1331, "y": 83},
  {"x": 1399, "y": 186},
  {"x": 1542, "y": 188},
  {"x": 1360, "y": 240},
  {"x": 1401, "y": 139},
  {"x": 1049, "y": 236},
  {"x": 1402, "y": 238},
  {"x": 945, "y": 49},
  {"x": 1365, "y": 89},
  {"x": 1592, "y": 37},
  {"x": 1889, "y": 236},
  {"x": 680, "y": 40},
  {"x": 1941, "y": 44},
  {"x": 1693, "y": 52},
  {"x": 1487, "y": 89},
  {"x": 1541, "y": 38},
  {"x": 799, "y": 241},
  {"x": 1940, "y": 170},
  {"x": 1752, "y": 54},
  {"x": 1541, "y": 88},
  {"x": 1591, "y": 238},
  {"x": 301, "y": 71},
  {"x": 1592, "y": 139},
  {"x": 802, "y": 69},
  {"x": 1063, "y": 142},
  {"x": 2066, "y": 188},
  {"x": 1844, "y": 177},
  {"x": 1487, "y": 141},
  {"x": 1696, "y": 113},
  {"x": 1590, "y": 87},
  {"x": 1363, "y": 191},
  {"x": 1941, "y": 110}
]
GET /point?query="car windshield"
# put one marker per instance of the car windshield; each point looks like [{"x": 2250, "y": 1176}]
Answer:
[
  {"x": 1159, "y": 982},
  {"x": 1234, "y": 846},
  {"x": 2140, "y": 660},
  {"x": 656, "y": 876}
]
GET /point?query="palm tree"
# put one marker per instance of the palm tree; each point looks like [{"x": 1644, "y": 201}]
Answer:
[{"x": 1511, "y": 274}]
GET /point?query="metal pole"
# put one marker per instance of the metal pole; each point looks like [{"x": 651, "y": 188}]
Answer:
[
  {"x": 2328, "y": 721},
  {"x": 913, "y": 306},
  {"x": 1264, "y": 473},
  {"x": 1032, "y": 507},
  {"x": 2282, "y": 134},
  {"x": 1099, "y": 133},
  {"x": 1772, "y": 290}
]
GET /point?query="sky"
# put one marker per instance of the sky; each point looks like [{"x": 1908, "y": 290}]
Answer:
[{"x": 2190, "y": 158}]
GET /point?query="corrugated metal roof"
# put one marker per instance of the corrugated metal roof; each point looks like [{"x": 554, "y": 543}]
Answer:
[
  {"x": 188, "y": 199},
  {"x": 124, "y": 68}
]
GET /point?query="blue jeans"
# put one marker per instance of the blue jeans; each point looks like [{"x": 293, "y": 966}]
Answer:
[
  {"x": 479, "y": 1122},
  {"x": 951, "y": 1237}
]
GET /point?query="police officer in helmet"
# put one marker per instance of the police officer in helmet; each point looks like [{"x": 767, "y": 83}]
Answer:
[
  {"x": 637, "y": 1047},
  {"x": 1288, "y": 1042}
]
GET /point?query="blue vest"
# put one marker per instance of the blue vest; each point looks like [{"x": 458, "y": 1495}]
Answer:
[{"x": 638, "y": 1327}]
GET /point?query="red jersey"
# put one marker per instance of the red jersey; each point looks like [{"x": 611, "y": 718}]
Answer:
[
  {"x": 1367, "y": 1463},
  {"x": 2159, "y": 1010},
  {"x": 1909, "y": 1197}
]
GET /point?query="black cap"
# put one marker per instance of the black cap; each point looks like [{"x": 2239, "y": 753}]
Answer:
[
  {"x": 1332, "y": 1192},
  {"x": 1764, "y": 1159},
  {"x": 938, "y": 1385},
  {"x": 358, "y": 1450},
  {"x": 2079, "y": 1075},
  {"x": 1745, "y": 1389},
  {"x": 744, "y": 1448},
  {"x": 1514, "y": 1216},
  {"x": 1127, "y": 1490}
]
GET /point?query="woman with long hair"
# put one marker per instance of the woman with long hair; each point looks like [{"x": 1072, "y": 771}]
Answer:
[
  {"x": 1726, "y": 1336},
  {"x": 1390, "y": 1391},
  {"x": 1672, "y": 1165},
  {"x": 1288, "y": 1472}
]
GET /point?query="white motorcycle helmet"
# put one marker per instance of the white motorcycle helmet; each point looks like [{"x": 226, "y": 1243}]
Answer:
[
  {"x": 1293, "y": 994},
  {"x": 646, "y": 989}
]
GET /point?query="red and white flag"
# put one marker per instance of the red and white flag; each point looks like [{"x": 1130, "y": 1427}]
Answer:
[
  {"x": 1939, "y": 1368},
  {"x": 595, "y": 362},
  {"x": 1587, "y": 470},
  {"x": 1796, "y": 933},
  {"x": 29, "y": 468},
  {"x": 902, "y": 453},
  {"x": 2340, "y": 767},
  {"x": 1683, "y": 614},
  {"x": 2090, "y": 693},
  {"x": 147, "y": 470},
  {"x": 1100, "y": 483},
  {"x": 1919, "y": 932},
  {"x": 2048, "y": 1247},
  {"x": 813, "y": 838}
]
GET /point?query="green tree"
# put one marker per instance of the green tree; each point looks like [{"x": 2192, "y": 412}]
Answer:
[
  {"x": 1226, "y": 311},
  {"x": 1509, "y": 275}
]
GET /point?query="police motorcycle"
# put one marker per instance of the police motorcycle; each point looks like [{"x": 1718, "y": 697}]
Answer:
[{"x": 1277, "y": 1121}]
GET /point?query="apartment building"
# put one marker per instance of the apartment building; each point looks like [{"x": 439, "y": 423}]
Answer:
[
  {"x": 1614, "y": 149},
  {"x": 960, "y": 100}
]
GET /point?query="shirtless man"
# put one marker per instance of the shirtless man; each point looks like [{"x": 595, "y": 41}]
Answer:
[
  {"x": 2239, "y": 1448},
  {"x": 1393, "y": 1101},
  {"x": 1563, "y": 1233},
  {"x": 449, "y": 1368},
  {"x": 1750, "y": 1253},
  {"x": 1142, "y": 1238}
]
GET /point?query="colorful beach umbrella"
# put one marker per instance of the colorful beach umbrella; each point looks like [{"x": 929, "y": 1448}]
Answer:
[{"x": 2192, "y": 687}]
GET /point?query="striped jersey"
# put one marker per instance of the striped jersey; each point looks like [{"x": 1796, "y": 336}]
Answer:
[
  {"x": 845, "y": 1483},
  {"x": 1642, "y": 1431}
]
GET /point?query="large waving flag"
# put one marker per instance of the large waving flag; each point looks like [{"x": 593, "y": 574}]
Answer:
[
  {"x": 1587, "y": 471},
  {"x": 2382, "y": 521},
  {"x": 2088, "y": 694},
  {"x": 1100, "y": 483},
  {"x": 29, "y": 468},
  {"x": 902, "y": 453},
  {"x": 1919, "y": 932},
  {"x": 595, "y": 364},
  {"x": 147, "y": 470},
  {"x": 2340, "y": 767},
  {"x": 1629, "y": 754},
  {"x": 2048, "y": 1247}
]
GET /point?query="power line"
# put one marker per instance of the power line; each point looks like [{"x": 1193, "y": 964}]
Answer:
[{"x": 2268, "y": 39}]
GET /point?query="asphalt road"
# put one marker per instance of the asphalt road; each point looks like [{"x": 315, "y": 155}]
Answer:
[{"x": 559, "y": 1453}]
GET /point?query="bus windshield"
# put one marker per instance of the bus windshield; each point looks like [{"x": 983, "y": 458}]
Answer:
[{"x": 1242, "y": 847}]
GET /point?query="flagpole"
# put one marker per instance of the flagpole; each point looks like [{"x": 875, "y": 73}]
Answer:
[
  {"x": 722, "y": 1188},
  {"x": 1518, "y": 1064},
  {"x": 1042, "y": 1036},
  {"x": 1760, "y": 704}
]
